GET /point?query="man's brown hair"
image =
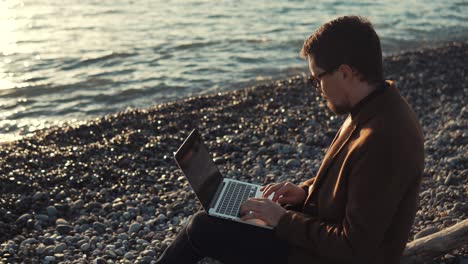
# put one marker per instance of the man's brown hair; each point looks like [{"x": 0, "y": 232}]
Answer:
[{"x": 349, "y": 40}]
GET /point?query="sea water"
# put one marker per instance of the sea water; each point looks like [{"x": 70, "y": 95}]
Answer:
[{"x": 75, "y": 60}]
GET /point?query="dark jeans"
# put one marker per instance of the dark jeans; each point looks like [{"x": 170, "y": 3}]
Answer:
[{"x": 224, "y": 240}]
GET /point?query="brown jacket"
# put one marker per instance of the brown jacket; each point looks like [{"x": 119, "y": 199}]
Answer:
[{"x": 362, "y": 203}]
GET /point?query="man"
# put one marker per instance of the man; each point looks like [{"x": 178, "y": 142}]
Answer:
[{"x": 361, "y": 205}]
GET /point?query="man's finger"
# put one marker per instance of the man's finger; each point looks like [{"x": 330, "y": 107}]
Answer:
[
  {"x": 251, "y": 204},
  {"x": 261, "y": 203},
  {"x": 285, "y": 200},
  {"x": 272, "y": 189},
  {"x": 250, "y": 215},
  {"x": 256, "y": 199},
  {"x": 280, "y": 192},
  {"x": 265, "y": 187},
  {"x": 273, "y": 185}
]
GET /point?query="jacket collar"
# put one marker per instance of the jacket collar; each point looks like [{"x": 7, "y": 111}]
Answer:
[
  {"x": 374, "y": 103},
  {"x": 377, "y": 91}
]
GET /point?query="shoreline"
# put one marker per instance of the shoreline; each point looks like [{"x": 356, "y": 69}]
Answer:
[
  {"x": 23, "y": 131},
  {"x": 120, "y": 196}
]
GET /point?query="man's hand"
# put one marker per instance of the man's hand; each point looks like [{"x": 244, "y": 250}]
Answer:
[
  {"x": 263, "y": 209},
  {"x": 285, "y": 192}
]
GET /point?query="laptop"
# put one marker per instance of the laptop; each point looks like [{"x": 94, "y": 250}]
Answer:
[{"x": 219, "y": 196}]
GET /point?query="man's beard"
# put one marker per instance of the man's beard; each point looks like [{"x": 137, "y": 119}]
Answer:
[{"x": 338, "y": 109}]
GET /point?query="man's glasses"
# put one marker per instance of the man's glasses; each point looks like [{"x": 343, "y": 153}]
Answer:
[{"x": 315, "y": 80}]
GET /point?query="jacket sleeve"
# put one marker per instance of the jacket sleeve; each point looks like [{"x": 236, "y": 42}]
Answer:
[
  {"x": 377, "y": 180},
  {"x": 306, "y": 184}
]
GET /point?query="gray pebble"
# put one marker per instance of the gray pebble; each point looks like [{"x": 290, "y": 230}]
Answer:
[
  {"x": 162, "y": 218},
  {"x": 168, "y": 241},
  {"x": 42, "y": 217},
  {"x": 150, "y": 253},
  {"x": 49, "y": 258},
  {"x": 28, "y": 241},
  {"x": 38, "y": 195},
  {"x": 457, "y": 206},
  {"x": 78, "y": 204},
  {"x": 61, "y": 195},
  {"x": 93, "y": 205},
  {"x": 302, "y": 148},
  {"x": 50, "y": 249},
  {"x": 38, "y": 225},
  {"x": 449, "y": 179},
  {"x": 175, "y": 221},
  {"x": 142, "y": 242},
  {"x": 440, "y": 196},
  {"x": 123, "y": 236},
  {"x": 111, "y": 253},
  {"x": 60, "y": 248},
  {"x": 134, "y": 228},
  {"x": 85, "y": 247},
  {"x": 99, "y": 261},
  {"x": 52, "y": 211},
  {"x": 99, "y": 227},
  {"x": 153, "y": 221},
  {"x": 293, "y": 163},
  {"x": 129, "y": 255},
  {"x": 118, "y": 205},
  {"x": 61, "y": 221},
  {"x": 63, "y": 229},
  {"x": 23, "y": 218},
  {"x": 41, "y": 248},
  {"x": 84, "y": 227}
]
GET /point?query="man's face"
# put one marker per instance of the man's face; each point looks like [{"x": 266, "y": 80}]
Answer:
[{"x": 331, "y": 85}]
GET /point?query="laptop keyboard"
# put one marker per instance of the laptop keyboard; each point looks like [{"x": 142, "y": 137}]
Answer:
[{"x": 235, "y": 194}]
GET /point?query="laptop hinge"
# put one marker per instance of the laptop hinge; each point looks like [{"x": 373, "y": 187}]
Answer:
[{"x": 217, "y": 194}]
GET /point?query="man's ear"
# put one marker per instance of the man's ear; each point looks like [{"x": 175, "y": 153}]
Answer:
[{"x": 346, "y": 71}]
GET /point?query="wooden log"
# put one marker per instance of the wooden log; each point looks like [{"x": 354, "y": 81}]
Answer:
[{"x": 427, "y": 248}]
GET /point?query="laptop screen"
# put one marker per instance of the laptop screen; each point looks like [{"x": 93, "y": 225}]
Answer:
[{"x": 199, "y": 169}]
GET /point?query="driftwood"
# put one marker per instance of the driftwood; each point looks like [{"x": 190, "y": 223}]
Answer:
[{"x": 427, "y": 248}]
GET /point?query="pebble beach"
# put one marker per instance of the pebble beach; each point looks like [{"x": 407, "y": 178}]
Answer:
[{"x": 108, "y": 190}]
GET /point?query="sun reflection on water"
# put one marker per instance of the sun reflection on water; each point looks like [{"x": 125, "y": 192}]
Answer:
[{"x": 8, "y": 41}]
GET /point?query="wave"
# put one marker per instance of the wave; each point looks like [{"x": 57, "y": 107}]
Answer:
[
  {"x": 194, "y": 45},
  {"x": 36, "y": 79},
  {"x": 90, "y": 61},
  {"x": 245, "y": 59},
  {"x": 111, "y": 73},
  {"x": 255, "y": 40},
  {"x": 48, "y": 89},
  {"x": 105, "y": 12},
  {"x": 30, "y": 41},
  {"x": 12, "y": 104}
]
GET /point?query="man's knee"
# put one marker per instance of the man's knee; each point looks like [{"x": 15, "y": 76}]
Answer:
[{"x": 198, "y": 223}]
